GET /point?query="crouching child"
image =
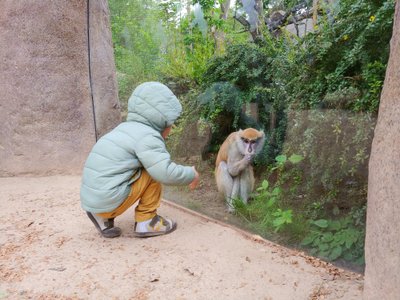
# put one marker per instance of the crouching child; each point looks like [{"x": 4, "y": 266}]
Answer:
[{"x": 129, "y": 164}]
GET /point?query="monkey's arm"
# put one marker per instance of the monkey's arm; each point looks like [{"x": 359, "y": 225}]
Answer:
[{"x": 237, "y": 163}]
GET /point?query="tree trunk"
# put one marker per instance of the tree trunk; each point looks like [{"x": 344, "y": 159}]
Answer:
[
  {"x": 257, "y": 33},
  {"x": 225, "y": 9},
  {"x": 219, "y": 36},
  {"x": 382, "y": 246},
  {"x": 315, "y": 12}
]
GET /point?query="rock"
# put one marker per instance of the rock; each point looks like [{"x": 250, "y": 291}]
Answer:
[{"x": 46, "y": 105}]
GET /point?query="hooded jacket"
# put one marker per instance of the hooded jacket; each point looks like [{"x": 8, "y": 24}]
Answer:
[{"x": 118, "y": 157}]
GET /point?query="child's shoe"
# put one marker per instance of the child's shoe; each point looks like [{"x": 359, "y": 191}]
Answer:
[
  {"x": 154, "y": 227},
  {"x": 104, "y": 226}
]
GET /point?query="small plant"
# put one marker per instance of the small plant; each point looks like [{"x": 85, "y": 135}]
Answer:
[
  {"x": 282, "y": 217},
  {"x": 270, "y": 214},
  {"x": 269, "y": 196},
  {"x": 333, "y": 239},
  {"x": 282, "y": 159}
]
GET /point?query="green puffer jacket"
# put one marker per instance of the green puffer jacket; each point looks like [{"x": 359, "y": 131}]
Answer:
[{"x": 117, "y": 158}]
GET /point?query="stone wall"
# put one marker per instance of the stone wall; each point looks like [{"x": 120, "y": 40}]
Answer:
[
  {"x": 46, "y": 104},
  {"x": 382, "y": 249}
]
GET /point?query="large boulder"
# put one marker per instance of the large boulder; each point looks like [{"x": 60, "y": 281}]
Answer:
[
  {"x": 382, "y": 247},
  {"x": 58, "y": 90}
]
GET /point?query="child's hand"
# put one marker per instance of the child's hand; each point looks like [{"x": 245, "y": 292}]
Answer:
[{"x": 195, "y": 181}]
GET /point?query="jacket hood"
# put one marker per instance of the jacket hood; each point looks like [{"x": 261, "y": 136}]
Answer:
[{"x": 154, "y": 104}]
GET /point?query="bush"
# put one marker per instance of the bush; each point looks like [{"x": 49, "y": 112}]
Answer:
[
  {"x": 343, "y": 55},
  {"x": 233, "y": 81},
  {"x": 335, "y": 145}
]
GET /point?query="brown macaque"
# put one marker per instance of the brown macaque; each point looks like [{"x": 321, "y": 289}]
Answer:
[{"x": 233, "y": 171}]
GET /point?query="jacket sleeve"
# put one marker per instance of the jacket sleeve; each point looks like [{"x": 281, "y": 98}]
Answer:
[{"x": 155, "y": 158}]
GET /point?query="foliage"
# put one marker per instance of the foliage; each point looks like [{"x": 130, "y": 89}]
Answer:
[
  {"x": 186, "y": 54},
  {"x": 267, "y": 210},
  {"x": 282, "y": 159},
  {"x": 211, "y": 14},
  {"x": 329, "y": 183},
  {"x": 282, "y": 217},
  {"x": 232, "y": 81},
  {"x": 137, "y": 37},
  {"x": 342, "y": 55},
  {"x": 333, "y": 239},
  {"x": 222, "y": 98},
  {"x": 244, "y": 65},
  {"x": 188, "y": 125},
  {"x": 329, "y": 238},
  {"x": 152, "y": 43},
  {"x": 335, "y": 145}
]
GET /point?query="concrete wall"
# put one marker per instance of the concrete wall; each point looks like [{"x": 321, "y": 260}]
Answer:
[
  {"x": 382, "y": 249},
  {"x": 46, "y": 111}
]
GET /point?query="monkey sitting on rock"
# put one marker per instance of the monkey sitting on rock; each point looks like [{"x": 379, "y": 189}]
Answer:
[{"x": 233, "y": 171}]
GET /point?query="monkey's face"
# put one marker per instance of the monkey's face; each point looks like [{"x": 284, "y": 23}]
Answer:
[
  {"x": 249, "y": 145},
  {"x": 251, "y": 140}
]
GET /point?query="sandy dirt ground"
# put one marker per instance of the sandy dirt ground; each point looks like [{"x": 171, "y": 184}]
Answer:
[{"x": 50, "y": 250}]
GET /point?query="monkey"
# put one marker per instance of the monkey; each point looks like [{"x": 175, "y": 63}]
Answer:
[{"x": 233, "y": 170}]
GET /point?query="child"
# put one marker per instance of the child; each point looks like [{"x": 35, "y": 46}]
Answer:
[{"x": 130, "y": 163}]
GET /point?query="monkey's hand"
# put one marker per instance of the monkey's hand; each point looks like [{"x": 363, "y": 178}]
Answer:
[
  {"x": 249, "y": 157},
  {"x": 234, "y": 168}
]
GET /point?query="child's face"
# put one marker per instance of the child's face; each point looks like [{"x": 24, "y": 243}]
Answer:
[{"x": 166, "y": 132}]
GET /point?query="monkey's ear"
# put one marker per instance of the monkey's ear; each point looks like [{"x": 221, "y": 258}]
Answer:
[{"x": 262, "y": 133}]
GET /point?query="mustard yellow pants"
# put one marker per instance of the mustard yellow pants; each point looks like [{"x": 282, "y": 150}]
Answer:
[{"x": 145, "y": 190}]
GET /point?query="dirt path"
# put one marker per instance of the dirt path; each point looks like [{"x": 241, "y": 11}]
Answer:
[{"x": 50, "y": 250}]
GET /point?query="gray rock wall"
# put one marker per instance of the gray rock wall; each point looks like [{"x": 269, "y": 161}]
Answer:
[
  {"x": 382, "y": 249},
  {"x": 46, "y": 111},
  {"x": 104, "y": 82}
]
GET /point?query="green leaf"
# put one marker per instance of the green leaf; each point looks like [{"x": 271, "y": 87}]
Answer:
[
  {"x": 287, "y": 215},
  {"x": 281, "y": 159},
  {"x": 278, "y": 222},
  {"x": 264, "y": 186},
  {"x": 360, "y": 260},
  {"x": 323, "y": 247},
  {"x": 348, "y": 256},
  {"x": 335, "y": 253},
  {"x": 321, "y": 223},
  {"x": 349, "y": 243},
  {"x": 271, "y": 202},
  {"x": 308, "y": 240},
  {"x": 335, "y": 242},
  {"x": 340, "y": 238},
  {"x": 327, "y": 237},
  {"x": 323, "y": 253},
  {"x": 276, "y": 191},
  {"x": 295, "y": 158},
  {"x": 351, "y": 235},
  {"x": 277, "y": 213},
  {"x": 345, "y": 222},
  {"x": 334, "y": 225}
]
